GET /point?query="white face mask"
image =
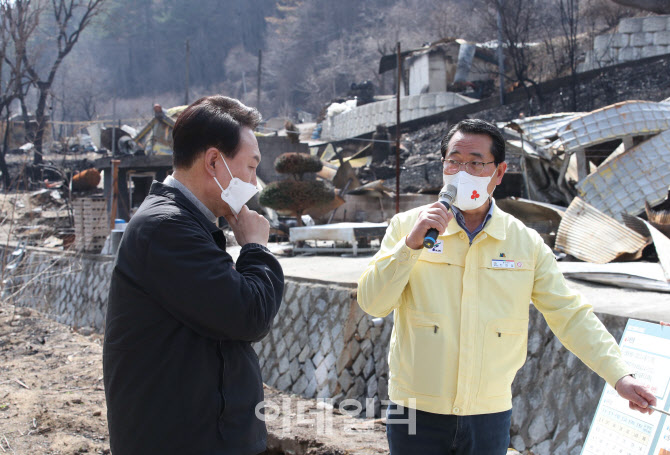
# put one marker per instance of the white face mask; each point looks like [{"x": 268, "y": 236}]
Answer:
[
  {"x": 238, "y": 192},
  {"x": 471, "y": 191}
]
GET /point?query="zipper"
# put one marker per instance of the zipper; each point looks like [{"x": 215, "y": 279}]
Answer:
[
  {"x": 507, "y": 332},
  {"x": 431, "y": 325},
  {"x": 221, "y": 376}
]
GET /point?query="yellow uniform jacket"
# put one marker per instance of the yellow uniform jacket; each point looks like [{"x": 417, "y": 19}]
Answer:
[{"x": 461, "y": 314}]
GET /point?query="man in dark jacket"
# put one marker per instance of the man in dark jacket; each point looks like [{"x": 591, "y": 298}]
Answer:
[{"x": 180, "y": 374}]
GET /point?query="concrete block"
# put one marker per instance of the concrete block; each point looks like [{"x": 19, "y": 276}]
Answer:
[
  {"x": 627, "y": 54},
  {"x": 442, "y": 99},
  {"x": 369, "y": 368},
  {"x": 336, "y": 330},
  {"x": 427, "y": 100},
  {"x": 267, "y": 347},
  {"x": 630, "y": 25},
  {"x": 543, "y": 448},
  {"x": 303, "y": 335},
  {"x": 283, "y": 365},
  {"x": 321, "y": 375},
  {"x": 310, "y": 390},
  {"x": 601, "y": 43},
  {"x": 372, "y": 387},
  {"x": 518, "y": 443},
  {"x": 326, "y": 342},
  {"x": 363, "y": 326},
  {"x": 358, "y": 365},
  {"x": 330, "y": 361},
  {"x": 313, "y": 321},
  {"x": 338, "y": 345},
  {"x": 294, "y": 370},
  {"x": 414, "y": 102},
  {"x": 300, "y": 385},
  {"x": 281, "y": 348},
  {"x": 662, "y": 38},
  {"x": 357, "y": 390},
  {"x": 538, "y": 431},
  {"x": 284, "y": 382},
  {"x": 272, "y": 380},
  {"x": 308, "y": 369},
  {"x": 333, "y": 385},
  {"x": 289, "y": 291},
  {"x": 304, "y": 354},
  {"x": 367, "y": 348},
  {"x": 651, "y": 51},
  {"x": 318, "y": 358},
  {"x": 345, "y": 381},
  {"x": 641, "y": 39},
  {"x": 654, "y": 23},
  {"x": 620, "y": 40},
  {"x": 323, "y": 325},
  {"x": 344, "y": 361},
  {"x": 637, "y": 53}
]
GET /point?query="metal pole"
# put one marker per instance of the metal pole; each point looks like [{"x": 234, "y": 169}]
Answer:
[
  {"x": 115, "y": 191},
  {"x": 258, "y": 84},
  {"x": 501, "y": 57},
  {"x": 188, "y": 59},
  {"x": 397, "y": 131}
]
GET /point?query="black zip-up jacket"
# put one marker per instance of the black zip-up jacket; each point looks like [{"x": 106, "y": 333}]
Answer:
[{"x": 180, "y": 374}]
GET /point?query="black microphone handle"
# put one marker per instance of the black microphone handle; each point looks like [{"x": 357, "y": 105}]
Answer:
[{"x": 431, "y": 236}]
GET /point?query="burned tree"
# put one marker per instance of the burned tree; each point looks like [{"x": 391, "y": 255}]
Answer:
[
  {"x": 70, "y": 18},
  {"x": 296, "y": 194},
  {"x": 18, "y": 21}
]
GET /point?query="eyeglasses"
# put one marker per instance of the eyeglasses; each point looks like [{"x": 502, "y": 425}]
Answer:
[{"x": 471, "y": 167}]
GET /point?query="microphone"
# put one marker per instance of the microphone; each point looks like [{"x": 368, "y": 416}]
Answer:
[{"x": 447, "y": 196}]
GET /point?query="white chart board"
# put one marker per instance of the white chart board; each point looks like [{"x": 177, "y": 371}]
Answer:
[{"x": 618, "y": 430}]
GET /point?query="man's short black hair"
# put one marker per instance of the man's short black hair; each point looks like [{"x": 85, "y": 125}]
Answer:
[
  {"x": 477, "y": 126},
  {"x": 212, "y": 121}
]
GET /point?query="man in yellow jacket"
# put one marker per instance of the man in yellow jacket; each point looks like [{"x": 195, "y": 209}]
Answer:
[{"x": 461, "y": 310}]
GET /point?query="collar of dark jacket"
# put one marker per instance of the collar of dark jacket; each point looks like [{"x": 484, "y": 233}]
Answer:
[{"x": 158, "y": 189}]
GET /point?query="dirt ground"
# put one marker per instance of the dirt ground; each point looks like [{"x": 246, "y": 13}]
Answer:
[{"x": 52, "y": 399}]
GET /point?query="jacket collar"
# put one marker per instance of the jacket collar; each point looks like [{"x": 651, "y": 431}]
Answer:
[
  {"x": 159, "y": 189},
  {"x": 495, "y": 226}
]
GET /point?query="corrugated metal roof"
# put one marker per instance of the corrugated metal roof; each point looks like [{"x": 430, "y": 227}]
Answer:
[
  {"x": 640, "y": 174},
  {"x": 588, "y": 234},
  {"x": 542, "y": 127},
  {"x": 630, "y": 118}
]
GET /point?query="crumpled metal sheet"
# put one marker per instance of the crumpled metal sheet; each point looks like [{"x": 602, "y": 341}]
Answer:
[
  {"x": 630, "y": 118},
  {"x": 543, "y": 127},
  {"x": 625, "y": 183},
  {"x": 588, "y": 234}
]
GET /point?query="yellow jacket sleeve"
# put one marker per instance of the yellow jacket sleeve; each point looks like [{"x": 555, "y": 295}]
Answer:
[
  {"x": 573, "y": 321},
  {"x": 383, "y": 281}
]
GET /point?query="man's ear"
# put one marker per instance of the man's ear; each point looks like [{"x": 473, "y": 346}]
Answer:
[
  {"x": 211, "y": 156},
  {"x": 500, "y": 171}
]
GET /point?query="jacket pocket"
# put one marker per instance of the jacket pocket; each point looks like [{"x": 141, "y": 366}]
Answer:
[
  {"x": 428, "y": 345},
  {"x": 505, "y": 348}
]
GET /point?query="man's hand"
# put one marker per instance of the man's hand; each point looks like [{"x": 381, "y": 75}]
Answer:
[
  {"x": 249, "y": 227},
  {"x": 638, "y": 395},
  {"x": 435, "y": 216}
]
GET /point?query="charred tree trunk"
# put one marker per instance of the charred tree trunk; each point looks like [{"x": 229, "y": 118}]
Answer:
[{"x": 6, "y": 180}]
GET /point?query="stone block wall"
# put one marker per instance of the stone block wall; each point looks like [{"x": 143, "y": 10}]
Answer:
[
  {"x": 323, "y": 345},
  {"x": 364, "y": 119},
  {"x": 636, "y": 38},
  {"x": 71, "y": 288}
]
